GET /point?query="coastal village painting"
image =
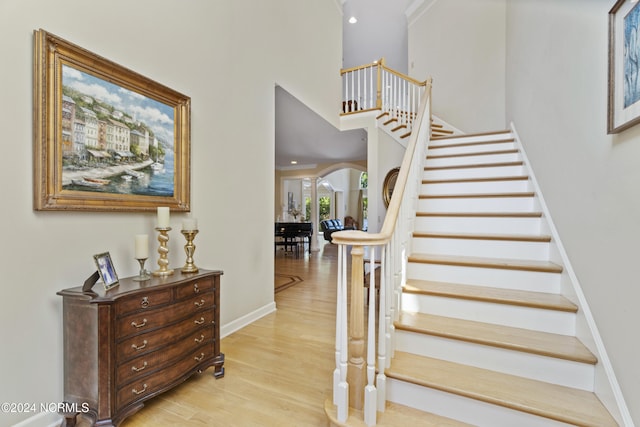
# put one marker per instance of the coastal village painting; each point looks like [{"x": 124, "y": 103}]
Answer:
[{"x": 114, "y": 140}]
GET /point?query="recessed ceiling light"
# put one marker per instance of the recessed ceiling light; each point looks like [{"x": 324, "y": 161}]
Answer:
[
  {"x": 294, "y": 162},
  {"x": 352, "y": 20}
]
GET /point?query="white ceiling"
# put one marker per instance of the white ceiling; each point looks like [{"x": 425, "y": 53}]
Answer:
[{"x": 302, "y": 135}]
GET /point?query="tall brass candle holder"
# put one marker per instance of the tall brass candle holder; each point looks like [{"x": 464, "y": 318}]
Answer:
[
  {"x": 163, "y": 262},
  {"x": 189, "y": 248}
]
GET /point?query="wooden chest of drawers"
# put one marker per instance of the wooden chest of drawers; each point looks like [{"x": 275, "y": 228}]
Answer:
[{"x": 137, "y": 340}]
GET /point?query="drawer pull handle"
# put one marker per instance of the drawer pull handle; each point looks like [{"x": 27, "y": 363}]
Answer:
[
  {"x": 199, "y": 359},
  {"x": 199, "y": 340},
  {"x": 135, "y": 325},
  {"x": 141, "y": 368},
  {"x": 199, "y": 322},
  {"x": 135, "y": 347},
  {"x": 145, "y": 302},
  {"x": 196, "y": 289},
  {"x": 134, "y": 391},
  {"x": 199, "y": 304}
]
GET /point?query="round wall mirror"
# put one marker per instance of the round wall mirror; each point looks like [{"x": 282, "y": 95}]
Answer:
[{"x": 388, "y": 185}]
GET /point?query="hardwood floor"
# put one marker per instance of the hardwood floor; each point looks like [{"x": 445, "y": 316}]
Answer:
[{"x": 277, "y": 370}]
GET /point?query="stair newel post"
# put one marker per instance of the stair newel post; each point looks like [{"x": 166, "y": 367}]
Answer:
[
  {"x": 379, "y": 84},
  {"x": 356, "y": 371}
]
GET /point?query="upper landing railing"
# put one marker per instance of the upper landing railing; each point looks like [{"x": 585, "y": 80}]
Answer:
[{"x": 376, "y": 87}]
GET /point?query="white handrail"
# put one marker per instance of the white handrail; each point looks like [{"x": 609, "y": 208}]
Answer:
[{"x": 353, "y": 389}]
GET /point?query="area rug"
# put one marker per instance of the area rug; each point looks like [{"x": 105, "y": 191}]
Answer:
[{"x": 284, "y": 281}]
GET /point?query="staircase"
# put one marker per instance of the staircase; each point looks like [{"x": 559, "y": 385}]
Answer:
[{"x": 484, "y": 336}]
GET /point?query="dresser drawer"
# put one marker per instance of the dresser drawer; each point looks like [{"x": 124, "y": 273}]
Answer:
[
  {"x": 157, "y": 381},
  {"x": 145, "y": 321},
  {"x": 194, "y": 288},
  {"x": 145, "y": 343},
  {"x": 143, "y": 301},
  {"x": 153, "y": 360}
]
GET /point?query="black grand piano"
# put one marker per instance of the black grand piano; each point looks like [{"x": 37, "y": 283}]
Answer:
[{"x": 292, "y": 235}]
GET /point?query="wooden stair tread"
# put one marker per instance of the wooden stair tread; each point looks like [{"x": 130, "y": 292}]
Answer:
[
  {"x": 468, "y": 144},
  {"x": 477, "y": 195},
  {"x": 474, "y": 135},
  {"x": 394, "y": 415},
  {"x": 397, "y": 128},
  {"x": 482, "y": 214},
  {"x": 499, "y": 263},
  {"x": 475, "y": 153},
  {"x": 475, "y": 165},
  {"x": 483, "y": 179},
  {"x": 493, "y": 295},
  {"x": 517, "y": 339},
  {"x": 478, "y": 236},
  {"x": 577, "y": 407},
  {"x": 440, "y": 131}
]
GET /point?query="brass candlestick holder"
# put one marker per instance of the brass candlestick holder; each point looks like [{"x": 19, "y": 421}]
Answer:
[
  {"x": 189, "y": 248},
  {"x": 144, "y": 274},
  {"x": 163, "y": 262}
]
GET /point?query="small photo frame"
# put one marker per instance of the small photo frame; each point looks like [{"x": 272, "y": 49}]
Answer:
[{"x": 106, "y": 270}]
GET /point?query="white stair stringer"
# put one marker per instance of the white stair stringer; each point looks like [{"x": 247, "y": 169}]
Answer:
[{"x": 480, "y": 226}]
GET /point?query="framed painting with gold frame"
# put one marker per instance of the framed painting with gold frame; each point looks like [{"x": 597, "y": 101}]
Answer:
[{"x": 105, "y": 138}]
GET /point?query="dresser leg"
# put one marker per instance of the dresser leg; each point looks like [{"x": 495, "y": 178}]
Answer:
[
  {"x": 70, "y": 419},
  {"x": 218, "y": 369}
]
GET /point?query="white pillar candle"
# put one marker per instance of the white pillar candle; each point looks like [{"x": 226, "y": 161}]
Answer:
[
  {"x": 163, "y": 217},
  {"x": 189, "y": 224},
  {"x": 142, "y": 246}
]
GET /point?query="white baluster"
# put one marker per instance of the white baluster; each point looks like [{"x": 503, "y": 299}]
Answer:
[
  {"x": 372, "y": 93},
  {"x": 383, "y": 325},
  {"x": 370, "y": 392},
  {"x": 359, "y": 87}
]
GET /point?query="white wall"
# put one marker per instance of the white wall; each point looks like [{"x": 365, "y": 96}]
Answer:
[
  {"x": 461, "y": 44},
  {"x": 381, "y": 32},
  {"x": 227, "y": 55},
  {"x": 556, "y": 95}
]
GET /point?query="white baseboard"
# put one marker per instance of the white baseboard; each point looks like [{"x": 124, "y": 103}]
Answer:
[
  {"x": 43, "y": 419},
  {"x": 247, "y": 319}
]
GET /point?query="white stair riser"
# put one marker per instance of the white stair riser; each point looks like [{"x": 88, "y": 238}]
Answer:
[
  {"x": 478, "y": 187},
  {"x": 472, "y": 138},
  {"x": 465, "y": 149},
  {"x": 548, "y": 369},
  {"x": 464, "y": 409},
  {"x": 482, "y": 172},
  {"x": 497, "y": 278},
  {"x": 552, "y": 321},
  {"x": 513, "y": 225},
  {"x": 477, "y": 204},
  {"x": 538, "y": 251},
  {"x": 473, "y": 160}
]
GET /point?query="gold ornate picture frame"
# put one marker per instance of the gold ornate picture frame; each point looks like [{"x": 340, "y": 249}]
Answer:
[
  {"x": 388, "y": 185},
  {"x": 105, "y": 137}
]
